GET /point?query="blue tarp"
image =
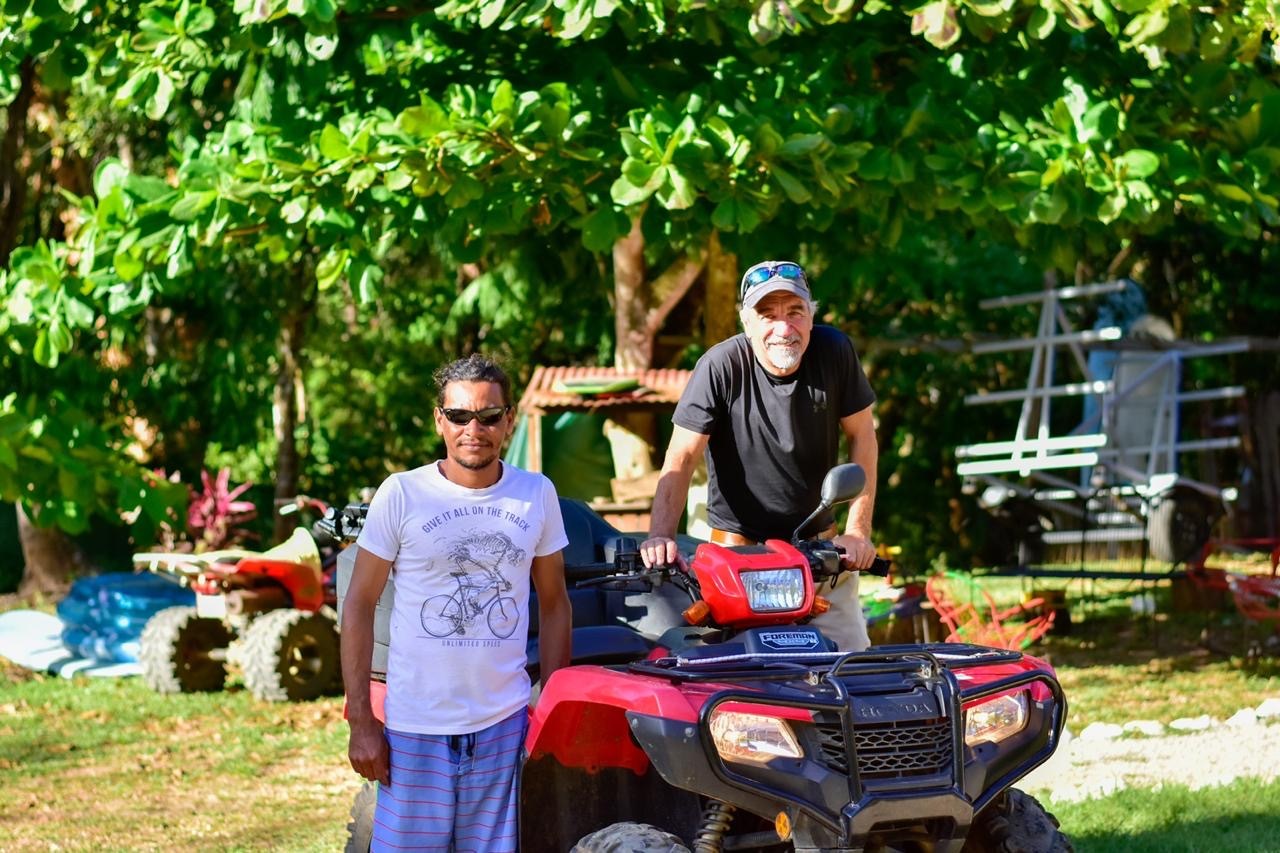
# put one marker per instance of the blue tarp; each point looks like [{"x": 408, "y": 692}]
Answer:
[{"x": 103, "y": 616}]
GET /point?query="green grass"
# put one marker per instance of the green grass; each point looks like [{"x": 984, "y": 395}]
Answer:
[
  {"x": 1241, "y": 817},
  {"x": 1116, "y": 665},
  {"x": 106, "y": 764}
]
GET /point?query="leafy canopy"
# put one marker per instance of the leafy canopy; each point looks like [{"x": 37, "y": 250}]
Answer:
[{"x": 340, "y": 137}]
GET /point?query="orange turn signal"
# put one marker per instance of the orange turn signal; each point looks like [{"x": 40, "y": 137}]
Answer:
[
  {"x": 697, "y": 613},
  {"x": 820, "y": 605},
  {"x": 782, "y": 826}
]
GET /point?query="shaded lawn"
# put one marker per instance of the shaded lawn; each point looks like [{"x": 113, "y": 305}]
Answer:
[
  {"x": 1115, "y": 668},
  {"x": 1116, "y": 665},
  {"x": 106, "y": 764},
  {"x": 1242, "y": 817}
]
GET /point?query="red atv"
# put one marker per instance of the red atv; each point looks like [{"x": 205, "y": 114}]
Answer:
[
  {"x": 271, "y": 612},
  {"x": 744, "y": 728}
]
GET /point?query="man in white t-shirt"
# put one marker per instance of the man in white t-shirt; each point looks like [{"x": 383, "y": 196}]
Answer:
[{"x": 464, "y": 536}]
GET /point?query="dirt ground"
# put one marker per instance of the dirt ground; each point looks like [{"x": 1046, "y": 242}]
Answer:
[{"x": 1084, "y": 768}]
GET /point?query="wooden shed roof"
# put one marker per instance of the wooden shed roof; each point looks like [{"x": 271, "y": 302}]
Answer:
[{"x": 657, "y": 389}]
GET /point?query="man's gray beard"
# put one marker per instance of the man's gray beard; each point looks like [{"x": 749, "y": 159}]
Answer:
[{"x": 783, "y": 357}]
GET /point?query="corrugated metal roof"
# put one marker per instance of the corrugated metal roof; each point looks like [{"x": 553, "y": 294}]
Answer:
[{"x": 657, "y": 388}]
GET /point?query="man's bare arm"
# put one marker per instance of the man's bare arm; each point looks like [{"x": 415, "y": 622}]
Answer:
[
  {"x": 683, "y": 452},
  {"x": 860, "y": 430},
  {"x": 367, "y": 747},
  {"x": 555, "y": 614}
]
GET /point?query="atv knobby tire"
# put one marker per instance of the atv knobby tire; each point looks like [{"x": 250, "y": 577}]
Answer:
[
  {"x": 630, "y": 838},
  {"x": 360, "y": 829},
  {"x": 174, "y": 652},
  {"x": 1015, "y": 823},
  {"x": 290, "y": 655}
]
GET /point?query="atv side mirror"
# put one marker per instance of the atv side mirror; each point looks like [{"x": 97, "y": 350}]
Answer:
[{"x": 842, "y": 483}]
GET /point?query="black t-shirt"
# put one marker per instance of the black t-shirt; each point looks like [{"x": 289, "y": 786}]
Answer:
[{"x": 772, "y": 438}]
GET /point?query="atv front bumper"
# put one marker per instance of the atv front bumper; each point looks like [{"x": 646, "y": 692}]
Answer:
[{"x": 884, "y": 759}]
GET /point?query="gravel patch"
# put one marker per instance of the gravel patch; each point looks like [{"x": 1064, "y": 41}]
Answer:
[{"x": 1198, "y": 752}]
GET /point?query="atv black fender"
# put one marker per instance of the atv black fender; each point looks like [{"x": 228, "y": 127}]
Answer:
[{"x": 585, "y": 770}]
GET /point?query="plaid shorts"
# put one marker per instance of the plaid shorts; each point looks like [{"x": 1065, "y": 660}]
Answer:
[{"x": 452, "y": 793}]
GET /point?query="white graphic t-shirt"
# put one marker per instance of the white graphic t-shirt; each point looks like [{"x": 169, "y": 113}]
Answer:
[{"x": 461, "y": 561}]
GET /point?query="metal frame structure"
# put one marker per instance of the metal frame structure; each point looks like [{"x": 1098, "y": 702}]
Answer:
[{"x": 1105, "y": 480}]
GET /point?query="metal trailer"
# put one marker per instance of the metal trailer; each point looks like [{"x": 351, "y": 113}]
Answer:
[{"x": 1116, "y": 476}]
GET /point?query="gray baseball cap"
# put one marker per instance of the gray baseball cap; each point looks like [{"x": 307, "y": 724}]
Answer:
[{"x": 771, "y": 277}]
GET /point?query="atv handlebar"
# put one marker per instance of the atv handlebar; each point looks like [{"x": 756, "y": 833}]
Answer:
[
  {"x": 825, "y": 563},
  {"x": 649, "y": 576},
  {"x": 826, "y": 559},
  {"x": 879, "y": 567},
  {"x": 340, "y": 525}
]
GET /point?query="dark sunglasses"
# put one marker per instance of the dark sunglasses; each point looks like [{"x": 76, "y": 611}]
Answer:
[
  {"x": 767, "y": 272},
  {"x": 486, "y": 417}
]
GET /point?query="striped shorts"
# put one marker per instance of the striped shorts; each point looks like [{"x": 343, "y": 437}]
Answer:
[{"x": 452, "y": 793}]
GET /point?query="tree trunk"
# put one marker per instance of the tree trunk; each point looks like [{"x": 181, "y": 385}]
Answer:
[
  {"x": 720, "y": 321},
  {"x": 286, "y": 402},
  {"x": 631, "y": 303},
  {"x": 13, "y": 178},
  {"x": 289, "y": 397},
  {"x": 641, "y": 305},
  {"x": 52, "y": 558}
]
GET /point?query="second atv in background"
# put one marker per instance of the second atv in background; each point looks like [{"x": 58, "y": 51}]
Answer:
[{"x": 270, "y": 612}]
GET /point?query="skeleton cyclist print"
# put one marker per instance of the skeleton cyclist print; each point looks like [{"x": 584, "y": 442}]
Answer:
[{"x": 478, "y": 558}]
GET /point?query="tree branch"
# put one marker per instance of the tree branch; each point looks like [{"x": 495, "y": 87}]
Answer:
[{"x": 671, "y": 287}]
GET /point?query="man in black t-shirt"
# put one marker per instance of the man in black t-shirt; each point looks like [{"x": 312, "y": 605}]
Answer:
[{"x": 767, "y": 408}]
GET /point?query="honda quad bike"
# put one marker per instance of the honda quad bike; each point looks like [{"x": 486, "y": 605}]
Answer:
[
  {"x": 741, "y": 727},
  {"x": 271, "y": 612}
]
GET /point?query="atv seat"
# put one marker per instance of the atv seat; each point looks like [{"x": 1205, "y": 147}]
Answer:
[
  {"x": 590, "y": 554},
  {"x": 589, "y": 535},
  {"x": 599, "y": 644}
]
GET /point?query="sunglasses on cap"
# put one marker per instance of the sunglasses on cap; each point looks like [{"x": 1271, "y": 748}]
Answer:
[
  {"x": 486, "y": 417},
  {"x": 757, "y": 276}
]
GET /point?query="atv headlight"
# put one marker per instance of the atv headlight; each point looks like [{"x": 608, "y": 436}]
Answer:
[
  {"x": 752, "y": 738},
  {"x": 771, "y": 590},
  {"x": 995, "y": 719}
]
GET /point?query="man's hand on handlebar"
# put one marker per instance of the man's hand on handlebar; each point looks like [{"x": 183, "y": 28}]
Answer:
[
  {"x": 660, "y": 551},
  {"x": 858, "y": 550}
]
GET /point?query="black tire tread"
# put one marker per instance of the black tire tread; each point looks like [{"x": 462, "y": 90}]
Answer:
[
  {"x": 360, "y": 829},
  {"x": 264, "y": 663},
  {"x": 160, "y": 652},
  {"x": 1180, "y": 523},
  {"x": 630, "y": 838},
  {"x": 1015, "y": 822}
]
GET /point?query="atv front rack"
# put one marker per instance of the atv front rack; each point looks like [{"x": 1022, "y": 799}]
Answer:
[
  {"x": 869, "y": 710},
  {"x": 826, "y": 665}
]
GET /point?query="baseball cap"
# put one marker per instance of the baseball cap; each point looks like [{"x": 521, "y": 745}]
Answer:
[{"x": 770, "y": 277}]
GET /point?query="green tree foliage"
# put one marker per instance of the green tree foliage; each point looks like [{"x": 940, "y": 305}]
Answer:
[{"x": 456, "y": 174}]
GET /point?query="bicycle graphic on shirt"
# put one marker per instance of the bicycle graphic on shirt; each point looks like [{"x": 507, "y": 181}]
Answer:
[{"x": 480, "y": 590}]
